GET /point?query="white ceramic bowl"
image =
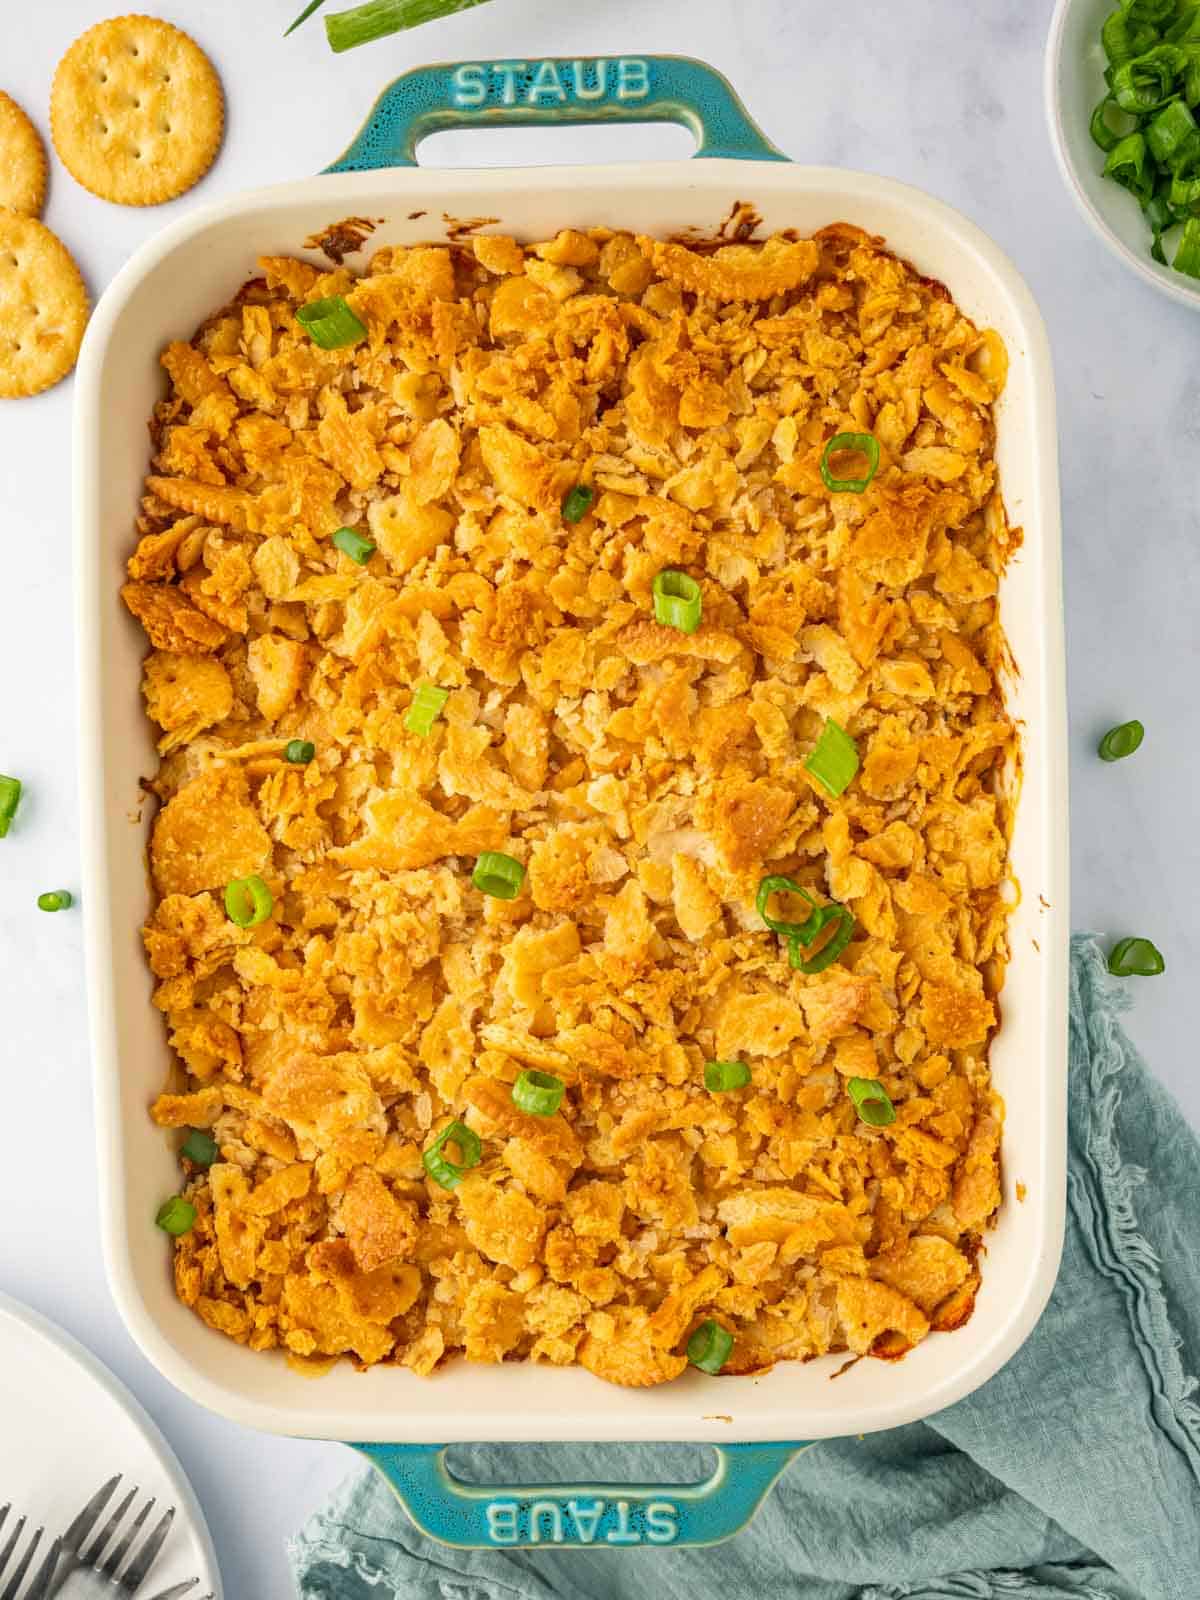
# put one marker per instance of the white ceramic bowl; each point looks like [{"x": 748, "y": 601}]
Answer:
[{"x": 1073, "y": 84}]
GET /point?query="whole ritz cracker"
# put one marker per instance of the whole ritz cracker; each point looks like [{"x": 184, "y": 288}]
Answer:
[
  {"x": 136, "y": 111},
  {"x": 22, "y": 161},
  {"x": 43, "y": 306}
]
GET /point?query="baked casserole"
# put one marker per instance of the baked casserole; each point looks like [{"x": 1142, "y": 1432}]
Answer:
[{"x": 580, "y": 880}]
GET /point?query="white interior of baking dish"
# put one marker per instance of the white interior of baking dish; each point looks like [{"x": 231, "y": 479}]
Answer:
[{"x": 163, "y": 293}]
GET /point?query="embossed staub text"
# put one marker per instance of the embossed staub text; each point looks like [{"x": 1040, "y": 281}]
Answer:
[
  {"x": 578, "y": 1521},
  {"x": 549, "y": 83}
]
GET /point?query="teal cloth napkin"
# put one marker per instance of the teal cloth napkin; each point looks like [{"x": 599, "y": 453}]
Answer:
[{"x": 1074, "y": 1473}]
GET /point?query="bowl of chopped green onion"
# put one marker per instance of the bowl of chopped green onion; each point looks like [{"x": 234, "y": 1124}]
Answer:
[{"x": 1123, "y": 102}]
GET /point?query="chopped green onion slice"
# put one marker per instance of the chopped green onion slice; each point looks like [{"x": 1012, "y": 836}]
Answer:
[
  {"x": 1186, "y": 27},
  {"x": 1135, "y": 958},
  {"x": 1148, "y": 81},
  {"x": 439, "y": 1167},
  {"x": 1122, "y": 41},
  {"x": 777, "y": 884},
  {"x": 498, "y": 875},
  {"x": 678, "y": 602},
  {"x": 709, "y": 1346},
  {"x": 1121, "y": 741},
  {"x": 354, "y": 545},
  {"x": 871, "y": 1102},
  {"x": 345, "y": 29},
  {"x": 577, "y": 502},
  {"x": 865, "y": 444},
  {"x": 834, "y": 759},
  {"x": 538, "y": 1093},
  {"x": 176, "y": 1216},
  {"x": 1183, "y": 196},
  {"x": 1154, "y": 12},
  {"x": 1187, "y": 256},
  {"x": 1169, "y": 131},
  {"x": 832, "y": 949},
  {"x": 55, "y": 900},
  {"x": 721, "y": 1076},
  {"x": 426, "y": 708},
  {"x": 248, "y": 901},
  {"x": 331, "y": 323},
  {"x": 299, "y": 752},
  {"x": 10, "y": 798},
  {"x": 1101, "y": 126},
  {"x": 200, "y": 1148},
  {"x": 313, "y": 5},
  {"x": 1126, "y": 164}
]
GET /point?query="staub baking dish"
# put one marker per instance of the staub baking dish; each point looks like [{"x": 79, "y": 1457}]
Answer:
[{"x": 401, "y": 1420}]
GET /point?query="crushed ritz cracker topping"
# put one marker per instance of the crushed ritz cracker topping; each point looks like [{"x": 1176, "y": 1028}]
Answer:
[{"x": 647, "y": 779}]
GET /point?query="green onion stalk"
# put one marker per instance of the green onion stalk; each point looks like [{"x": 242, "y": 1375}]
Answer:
[{"x": 378, "y": 18}]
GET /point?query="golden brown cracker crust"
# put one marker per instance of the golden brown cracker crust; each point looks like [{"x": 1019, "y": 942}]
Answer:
[
  {"x": 136, "y": 111},
  {"x": 22, "y": 161},
  {"x": 43, "y": 306}
]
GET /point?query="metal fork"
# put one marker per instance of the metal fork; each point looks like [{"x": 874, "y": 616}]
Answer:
[
  {"x": 89, "y": 1561},
  {"x": 39, "y": 1589}
]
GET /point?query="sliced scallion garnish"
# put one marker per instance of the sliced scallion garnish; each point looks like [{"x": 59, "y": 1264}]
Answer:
[
  {"x": 330, "y": 323},
  {"x": 55, "y": 900},
  {"x": 10, "y": 799},
  {"x": 1135, "y": 958},
  {"x": 498, "y": 875},
  {"x": 426, "y": 707},
  {"x": 354, "y": 545},
  {"x": 1121, "y": 741},
  {"x": 834, "y": 758},
  {"x": 864, "y": 444},
  {"x": 831, "y": 949},
  {"x": 722, "y": 1076},
  {"x": 871, "y": 1101},
  {"x": 176, "y": 1216},
  {"x": 678, "y": 602},
  {"x": 709, "y": 1346},
  {"x": 447, "y": 1173},
  {"x": 299, "y": 752},
  {"x": 200, "y": 1148},
  {"x": 1187, "y": 255},
  {"x": 538, "y": 1093},
  {"x": 248, "y": 901},
  {"x": 577, "y": 502}
]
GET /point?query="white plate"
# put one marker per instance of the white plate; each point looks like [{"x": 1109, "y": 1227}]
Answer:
[
  {"x": 1074, "y": 84},
  {"x": 68, "y": 1425}
]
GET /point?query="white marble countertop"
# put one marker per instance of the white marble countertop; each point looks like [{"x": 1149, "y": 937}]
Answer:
[{"x": 942, "y": 94}]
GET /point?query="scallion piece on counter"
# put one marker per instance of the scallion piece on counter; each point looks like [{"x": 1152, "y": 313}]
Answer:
[
  {"x": 709, "y": 1346},
  {"x": 55, "y": 900},
  {"x": 331, "y": 323},
  {"x": 299, "y": 752},
  {"x": 1187, "y": 256},
  {"x": 831, "y": 949},
  {"x": 678, "y": 602},
  {"x": 538, "y": 1093},
  {"x": 1135, "y": 958},
  {"x": 176, "y": 1216},
  {"x": 864, "y": 444},
  {"x": 427, "y": 703},
  {"x": 447, "y": 1173},
  {"x": 721, "y": 1076},
  {"x": 248, "y": 901},
  {"x": 200, "y": 1148},
  {"x": 378, "y": 18},
  {"x": 498, "y": 875},
  {"x": 834, "y": 759},
  {"x": 577, "y": 502},
  {"x": 10, "y": 799},
  {"x": 353, "y": 545},
  {"x": 313, "y": 5},
  {"x": 1121, "y": 741},
  {"x": 871, "y": 1101}
]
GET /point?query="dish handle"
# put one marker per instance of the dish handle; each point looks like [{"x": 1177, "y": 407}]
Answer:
[
  {"x": 527, "y": 1516},
  {"x": 550, "y": 92}
]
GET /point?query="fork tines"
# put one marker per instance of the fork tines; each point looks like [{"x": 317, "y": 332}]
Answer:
[{"x": 39, "y": 1586}]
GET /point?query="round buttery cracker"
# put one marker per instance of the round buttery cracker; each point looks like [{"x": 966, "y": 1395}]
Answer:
[
  {"x": 43, "y": 306},
  {"x": 22, "y": 161},
  {"x": 136, "y": 111}
]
